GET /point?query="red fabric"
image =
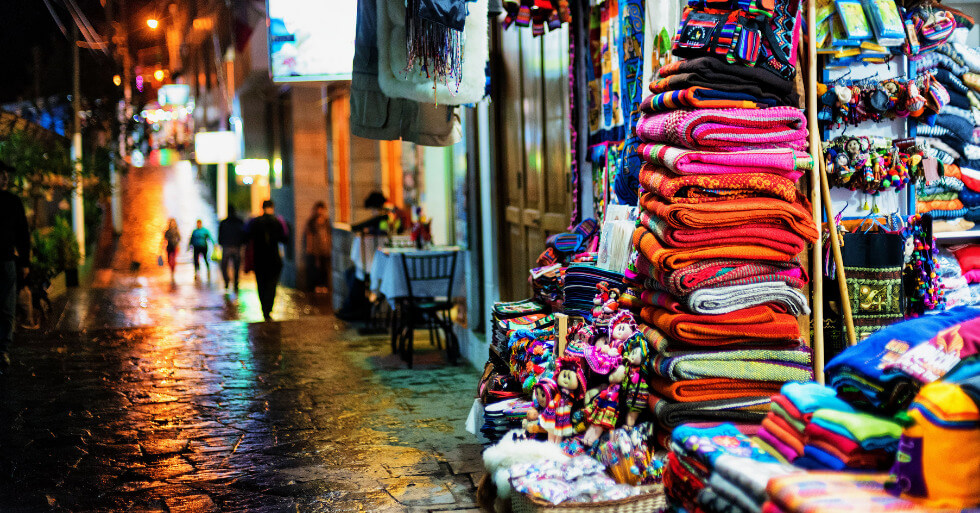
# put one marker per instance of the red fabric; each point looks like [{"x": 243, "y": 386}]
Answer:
[
  {"x": 707, "y": 389},
  {"x": 665, "y": 259},
  {"x": 756, "y": 234},
  {"x": 791, "y": 408},
  {"x": 779, "y": 430},
  {"x": 968, "y": 257},
  {"x": 748, "y": 325}
]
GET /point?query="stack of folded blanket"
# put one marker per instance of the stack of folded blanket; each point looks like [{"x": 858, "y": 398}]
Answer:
[
  {"x": 812, "y": 428},
  {"x": 818, "y": 492},
  {"x": 718, "y": 469},
  {"x": 952, "y": 135},
  {"x": 714, "y": 270}
]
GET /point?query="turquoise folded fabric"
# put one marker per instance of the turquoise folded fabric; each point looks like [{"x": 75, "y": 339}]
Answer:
[{"x": 810, "y": 397}]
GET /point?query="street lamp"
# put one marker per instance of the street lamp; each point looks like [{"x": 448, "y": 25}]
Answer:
[
  {"x": 117, "y": 80},
  {"x": 158, "y": 75},
  {"x": 152, "y": 23}
]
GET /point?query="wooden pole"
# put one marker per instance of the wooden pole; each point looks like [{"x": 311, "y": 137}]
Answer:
[
  {"x": 838, "y": 256},
  {"x": 816, "y": 260},
  {"x": 561, "y": 320}
]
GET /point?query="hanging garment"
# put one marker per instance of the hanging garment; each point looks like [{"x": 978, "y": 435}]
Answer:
[
  {"x": 398, "y": 80},
  {"x": 374, "y": 115}
]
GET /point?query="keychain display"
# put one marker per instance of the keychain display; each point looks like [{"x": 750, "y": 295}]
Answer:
[
  {"x": 871, "y": 100},
  {"x": 870, "y": 163}
]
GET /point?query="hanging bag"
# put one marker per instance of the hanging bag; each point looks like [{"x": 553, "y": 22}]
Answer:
[{"x": 758, "y": 33}]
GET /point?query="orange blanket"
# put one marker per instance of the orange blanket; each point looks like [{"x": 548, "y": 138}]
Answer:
[
  {"x": 707, "y": 188},
  {"x": 663, "y": 259},
  {"x": 707, "y": 389},
  {"x": 745, "y": 326},
  {"x": 794, "y": 216}
]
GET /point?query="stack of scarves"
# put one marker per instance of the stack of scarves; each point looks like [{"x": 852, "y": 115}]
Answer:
[
  {"x": 718, "y": 469},
  {"x": 812, "y": 428},
  {"x": 884, "y": 372},
  {"x": 715, "y": 261},
  {"x": 579, "y": 287}
]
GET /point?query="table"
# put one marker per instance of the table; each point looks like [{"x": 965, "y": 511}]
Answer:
[{"x": 388, "y": 275}]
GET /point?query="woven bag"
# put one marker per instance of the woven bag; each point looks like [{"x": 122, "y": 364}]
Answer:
[{"x": 652, "y": 500}]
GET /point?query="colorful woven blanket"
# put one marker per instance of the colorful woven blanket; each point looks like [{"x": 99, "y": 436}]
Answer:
[
  {"x": 758, "y": 234},
  {"x": 719, "y": 74},
  {"x": 795, "y": 216},
  {"x": 707, "y": 389},
  {"x": 703, "y": 98},
  {"x": 719, "y": 300},
  {"x": 746, "y": 326},
  {"x": 785, "y": 162},
  {"x": 726, "y": 272},
  {"x": 746, "y": 364},
  {"x": 670, "y": 414},
  {"x": 663, "y": 259},
  {"x": 659, "y": 342},
  {"x": 704, "y": 188},
  {"x": 834, "y": 492},
  {"x": 727, "y": 129}
]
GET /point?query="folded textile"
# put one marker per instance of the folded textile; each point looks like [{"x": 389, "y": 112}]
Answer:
[
  {"x": 784, "y": 450},
  {"x": 742, "y": 364},
  {"x": 707, "y": 389},
  {"x": 704, "y": 188},
  {"x": 868, "y": 431},
  {"x": 670, "y": 414},
  {"x": 795, "y": 216},
  {"x": 666, "y": 259},
  {"x": 877, "y": 459},
  {"x": 810, "y": 397},
  {"x": 785, "y": 162},
  {"x": 797, "y": 424},
  {"x": 956, "y": 225},
  {"x": 660, "y": 343},
  {"x": 681, "y": 484},
  {"x": 759, "y": 234},
  {"x": 719, "y": 300},
  {"x": 709, "y": 499},
  {"x": 969, "y": 198},
  {"x": 719, "y": 74},
  {"x": 726, "y": 129},
  {"x": 703, "y": 98},
  {"x": 731, "y": 493},
  {"x": 708, "y": 444},
  {"x": 836, "y": 492},
  {"x": 758, "y": 323},
  {"x": 787, "y": 407},
  {"x": 930, "y": 206},
  {"x": 728, "y": 272},
  {"x": 751, "y": 476},
  {"x": 781, "y": 433},
  {"x": 766, "y": 446}
]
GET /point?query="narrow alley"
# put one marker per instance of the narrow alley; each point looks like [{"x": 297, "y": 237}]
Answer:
[{"x": 148, "y": 396}]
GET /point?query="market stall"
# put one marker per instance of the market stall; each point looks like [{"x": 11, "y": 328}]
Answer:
[{"x": 755, "y": 318}]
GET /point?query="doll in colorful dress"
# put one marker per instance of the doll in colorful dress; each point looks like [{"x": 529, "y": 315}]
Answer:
[
  {"x": 622, "y": 326},
  {"x": 543, "y": 392},
  {"x": 602, "y": 412},
  {"x": 635, "y": 387},
  {"x": 556, "y": 419}
]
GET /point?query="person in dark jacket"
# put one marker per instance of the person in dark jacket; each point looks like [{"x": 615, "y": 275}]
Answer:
[
  {"x": 231, "y": 237},
  {"x": 265, "y": 233},
  {"x": 15, "y": 255}
]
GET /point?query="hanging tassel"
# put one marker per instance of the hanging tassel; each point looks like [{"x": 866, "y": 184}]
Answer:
[{"x": 433, "y": 48}]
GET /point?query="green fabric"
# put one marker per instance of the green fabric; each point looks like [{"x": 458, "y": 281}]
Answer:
[
  {"x": 796, "y": 423},
  {"x": 861, "y": 425},
  {"x": 749, "y": 364},
  {"x": 939, "y": 196}
]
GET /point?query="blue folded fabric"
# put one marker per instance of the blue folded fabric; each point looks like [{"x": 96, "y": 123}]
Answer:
[
  {"x": 812, "y": 396},
  {"x": 824, "y": 458},
  {"x": 970, "y": 198}
]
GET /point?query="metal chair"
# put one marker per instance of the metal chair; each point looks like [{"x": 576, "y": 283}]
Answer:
[{"x": 420, "y": 311}]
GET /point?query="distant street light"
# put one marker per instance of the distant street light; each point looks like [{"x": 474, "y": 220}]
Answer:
[
  {"x": 158, "y": 75},
  {"x": 116, "y": 79},
  {"x": 152, "y": 23}
]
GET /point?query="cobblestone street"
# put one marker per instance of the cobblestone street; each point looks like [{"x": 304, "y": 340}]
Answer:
[{"x": 148, "y": 397}]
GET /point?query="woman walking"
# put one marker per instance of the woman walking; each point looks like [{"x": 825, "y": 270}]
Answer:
[{"x": 171, "y": 240}]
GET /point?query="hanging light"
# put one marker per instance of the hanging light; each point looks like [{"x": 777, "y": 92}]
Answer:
[
  {"x": 158, "y": 75},
  {"x": 116, "y": 79},
  {"x": 152, "y": 23}
]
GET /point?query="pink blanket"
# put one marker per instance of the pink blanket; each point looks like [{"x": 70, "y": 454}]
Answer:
[
  {"x": 727, "y": 129},
  {"x": 785, "y": 162}
]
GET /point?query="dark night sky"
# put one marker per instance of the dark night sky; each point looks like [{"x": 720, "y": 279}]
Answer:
[{"x": 29, "y": 25}]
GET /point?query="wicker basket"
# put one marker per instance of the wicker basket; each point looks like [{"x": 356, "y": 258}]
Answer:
[{"x": 652, "y": 500}]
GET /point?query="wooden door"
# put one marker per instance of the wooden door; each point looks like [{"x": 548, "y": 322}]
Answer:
[{"x": 533, "y": 159}]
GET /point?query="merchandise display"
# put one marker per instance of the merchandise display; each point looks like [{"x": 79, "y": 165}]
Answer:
[{"x": 668, "y": 359}]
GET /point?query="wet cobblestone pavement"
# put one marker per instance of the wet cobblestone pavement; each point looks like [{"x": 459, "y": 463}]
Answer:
[{"x": 124, "y": 407}]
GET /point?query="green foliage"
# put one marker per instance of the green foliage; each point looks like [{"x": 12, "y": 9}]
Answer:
[
  {"x": 35, "y": 163},
  {"x": 55, "y": 247}
]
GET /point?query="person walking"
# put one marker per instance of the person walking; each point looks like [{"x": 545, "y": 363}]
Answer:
[
  {"x": 231, "y": 237},
  {"x": 171, "y": 241},
  {"x": 200, "y": 238},
  {"x": 15, "y": 256},
  {"x": 264, "y": 234},
  {"x": 318, "y": 241}
]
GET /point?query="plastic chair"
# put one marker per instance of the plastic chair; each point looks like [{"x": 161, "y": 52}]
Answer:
[{"x": 420, "y": 311}]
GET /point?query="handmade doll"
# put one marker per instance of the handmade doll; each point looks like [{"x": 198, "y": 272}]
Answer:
[
  {"x": 543, "y": 392},
  {"x": 621, "y": 327},
  {"x": 556, "y": 419},
  {"x": 602, "y": 412},
  {"x": 635, "y": 387}
]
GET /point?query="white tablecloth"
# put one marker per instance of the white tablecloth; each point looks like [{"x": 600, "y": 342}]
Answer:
[{"x": 388, "y": 275}]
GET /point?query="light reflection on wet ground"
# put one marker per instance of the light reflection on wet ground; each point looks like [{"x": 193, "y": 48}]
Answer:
[{"x": 151, "y": 399}]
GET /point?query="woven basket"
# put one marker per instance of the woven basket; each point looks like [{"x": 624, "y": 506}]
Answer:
[{"x": 652, "y": 500}]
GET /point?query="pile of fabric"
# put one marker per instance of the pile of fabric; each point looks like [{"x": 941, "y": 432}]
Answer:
[
  {"x": 714, "y": 270},
  {"x": 884, "y": 372},
  {"x": 953, "y": 198},
  {"x": 812, "y": 428},
  {"x": 507, "y": 317},
  {"x": 718, "y": 469},
  {"x": 959, "y": 274}
]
